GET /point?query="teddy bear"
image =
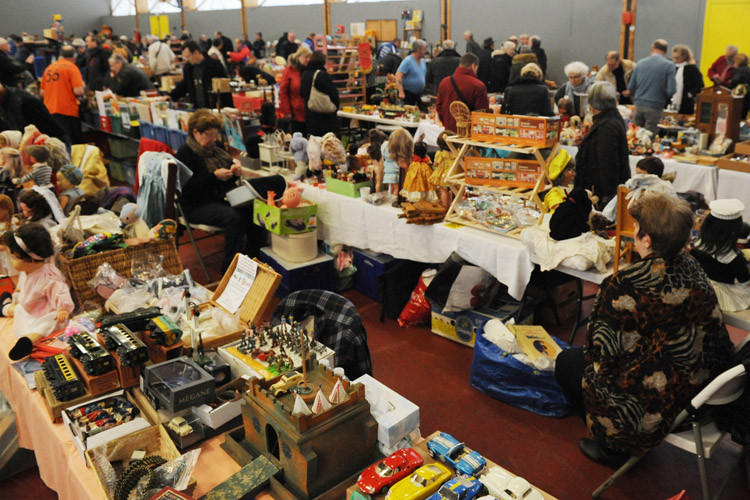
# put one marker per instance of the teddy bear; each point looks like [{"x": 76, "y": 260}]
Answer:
[{"x": 134, "y": 228}]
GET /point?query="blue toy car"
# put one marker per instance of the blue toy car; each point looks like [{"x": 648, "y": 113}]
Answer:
[
  {"x": 460, "y": 488},
  {"x": 454, "y": 453}
]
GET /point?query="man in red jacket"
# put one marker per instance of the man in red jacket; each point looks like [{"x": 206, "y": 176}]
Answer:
[
  {"x": 462, "y": 86},
  {"x": 722, "y": 69}
]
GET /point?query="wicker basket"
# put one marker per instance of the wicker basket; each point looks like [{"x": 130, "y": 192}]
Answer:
[{"x": 83, "y": 269}]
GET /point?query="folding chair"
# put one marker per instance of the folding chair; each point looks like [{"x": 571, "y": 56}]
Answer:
[
  {"x": 701, "y": 439},
  {"x": 624, "y": 229}
]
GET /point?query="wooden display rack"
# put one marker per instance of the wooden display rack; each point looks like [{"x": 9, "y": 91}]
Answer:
[
  {"x": 343, "y": 65},
  {"x": 456, "y": 177}
]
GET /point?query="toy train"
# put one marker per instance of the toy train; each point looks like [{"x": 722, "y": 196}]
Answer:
[
  {"x": 62, "y": 378},
  {"x": 136, "y": 320},
  {"x": 164, "y": 331},
  {"x": 94, "y": 358},
  {"x": 129, "y": 348}
]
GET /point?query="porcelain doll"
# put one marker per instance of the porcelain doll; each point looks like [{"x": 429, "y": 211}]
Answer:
[
  {"x": 444, "y": 159},
  {"x": 417, "y": 185},
  {"x": 42, "y": 302}
]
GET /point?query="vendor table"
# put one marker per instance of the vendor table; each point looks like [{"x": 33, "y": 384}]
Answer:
[
  {"x": 689, "y": 176},
  {"x": 354, "y": 222},
  {"x": 60, "y": 465},
  {"x": 376, "y": 119},
  {"x": 733, "y": 184}
]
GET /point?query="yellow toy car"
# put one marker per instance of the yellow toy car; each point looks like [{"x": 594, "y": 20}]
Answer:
[
  {"x": 424, "y": 482},
  {"x": 180, "y": 426},
  {"x": 286, "y": 382}
]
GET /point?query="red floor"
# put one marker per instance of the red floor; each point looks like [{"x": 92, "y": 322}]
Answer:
[{"x": 433, "y": 373}]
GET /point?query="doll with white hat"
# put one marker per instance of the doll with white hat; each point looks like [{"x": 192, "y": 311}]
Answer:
[{"x": 717, "y": 252}]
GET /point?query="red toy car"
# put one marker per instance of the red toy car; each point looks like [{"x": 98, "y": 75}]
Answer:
[{"x": 380, "y": 476}]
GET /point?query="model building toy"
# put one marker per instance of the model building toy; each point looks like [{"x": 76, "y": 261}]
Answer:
[
  {"x": 460, "y": 488},
  {"x": 451, "y": 451},
  {"x": 94, "y": 358},
  {"x": 129, "y": 348},
  {"x": 379, "y": 477},
  {"x": 135, "y": 320},
  {"x": 424, "y": 482},
  {"x": 62, "y": 378},
  {"x": 286, "y": 382}
]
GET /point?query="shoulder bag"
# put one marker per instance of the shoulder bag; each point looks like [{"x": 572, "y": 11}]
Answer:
[{"x": 319, "y": 101}]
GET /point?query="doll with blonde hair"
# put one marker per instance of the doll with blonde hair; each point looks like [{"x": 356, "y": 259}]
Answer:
[{"x": 444, "y": 159}]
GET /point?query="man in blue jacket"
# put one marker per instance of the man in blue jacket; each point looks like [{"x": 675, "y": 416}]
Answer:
[{"x": 652, "y": 85}]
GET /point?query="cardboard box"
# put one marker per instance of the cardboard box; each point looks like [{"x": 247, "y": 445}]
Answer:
[
  {"x": 507, "y": 172},
  {"x": 519, "y": 130},
  {"x": 83, "y": 444},
  {"x": 97, "y": 384},
  {"x": 54, "y": 405},
  {"x": 216, "y": 417},
  {"x": 463, "y": 327},
  {"x": 345, "y": 188},
  {"x": 283, "y": 221},
  {"x": 396, "y": 415},
  {"x": 194, "y": 385}
]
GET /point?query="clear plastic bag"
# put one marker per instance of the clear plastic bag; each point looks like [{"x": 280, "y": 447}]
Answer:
[
  {"x": 106, "y": 280},
  {"x": 175, "y": 473},
  {"x": 146, "y": 266}
]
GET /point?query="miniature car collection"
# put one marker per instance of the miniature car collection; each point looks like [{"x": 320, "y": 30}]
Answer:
[
  {"x": 380, "y": 476},
  {"x": 451, "y": 451},
  {"x": 460, "y": 488},
  {"x": 424, "y": 482},
  {"x": 286, "y": 382}
]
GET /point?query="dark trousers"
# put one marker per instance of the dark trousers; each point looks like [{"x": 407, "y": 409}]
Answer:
[
  {"x": 299, "y": 127},
  {"x": 238, "y": 226},
  {"x": 414, "y": 100},
  {"x": 72, "y": 127},
  {"x": 569, "y": 368}
]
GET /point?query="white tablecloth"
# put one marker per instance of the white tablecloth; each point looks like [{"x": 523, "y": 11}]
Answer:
[
  {"x": 734, "y": 184},
  {"x": 352, "y": 221},
  {"x": 689, "y": 176}
]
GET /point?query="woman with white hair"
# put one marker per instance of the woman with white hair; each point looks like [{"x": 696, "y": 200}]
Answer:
[
  {"x": 578, "y": 83},
  {"x": 528, "y": 96},
  {"x": 602, "y": 159}
]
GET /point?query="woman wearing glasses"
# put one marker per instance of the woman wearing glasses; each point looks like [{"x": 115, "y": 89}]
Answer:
[{"x": 578, "y": 83}]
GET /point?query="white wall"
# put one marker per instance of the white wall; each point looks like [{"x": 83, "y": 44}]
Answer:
[{"x": 33, "y": 16}]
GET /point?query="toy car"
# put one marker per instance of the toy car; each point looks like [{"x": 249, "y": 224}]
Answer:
[
  {"x": 460, "y": 488},
  {"x": 286, "y": 382},
  {"x": 179, "y": 426},
  {"x": 424, "y": 482},
  {"x": 503, "y": 485},
  {"x": 449, "y": 450},
  {"x": 380, "y": 476}
]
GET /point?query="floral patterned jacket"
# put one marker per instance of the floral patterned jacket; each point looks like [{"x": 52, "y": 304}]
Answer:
[{"x": 656, "y": 337}]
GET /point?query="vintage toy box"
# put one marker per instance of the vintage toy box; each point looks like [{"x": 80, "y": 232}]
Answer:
[
  {"x": 84, "y": 442},
  {"x": 506, "y": 172},
  {"x": 282, "y": 221},
  {"x": 463, "y": 327},
  {"x": 177, "y": 384},
  {"x": 519, "y": 130},
  {"x": 739, "y": 160},
  {"x": 345, "y": 188},
  {"x": 396, "y": 415}
]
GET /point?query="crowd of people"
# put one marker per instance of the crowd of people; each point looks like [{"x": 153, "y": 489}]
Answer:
[{"x": 639, "y": 365}]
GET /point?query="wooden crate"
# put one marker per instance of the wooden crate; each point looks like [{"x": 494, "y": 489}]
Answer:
[
  {"x": 79, "y": 271},
  {"x": 54, "y": 405},
  {"x": 255, "y": 303},
  {"x": 154, "y": 441},
  {"x": 520, "y": 130}
]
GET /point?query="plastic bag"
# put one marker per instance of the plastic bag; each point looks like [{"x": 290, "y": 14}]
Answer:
[
  {"x": 417, "y": 311},
  {"x": 175, "y": 473},
  {"x": 499, "y": 374},
  {"x": 129, "y": 298},
  {"x": 106, "y": 280},
  {"x": 146, "y": 266}
]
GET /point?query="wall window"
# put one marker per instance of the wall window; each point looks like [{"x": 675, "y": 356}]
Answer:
[
  {"x": 159, "y": 7},
  {"x": 122, "y": 7},
  {"x": 278, "y": 3}
]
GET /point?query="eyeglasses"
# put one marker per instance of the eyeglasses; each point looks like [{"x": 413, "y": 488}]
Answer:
[
  {"x": 575, "y": 77},
  {"x": 211, "y": 133}
]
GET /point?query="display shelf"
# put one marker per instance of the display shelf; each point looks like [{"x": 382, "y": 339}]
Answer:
[
  {"x": 344, "y": 66},
  {"x": 456, "y": 177}
]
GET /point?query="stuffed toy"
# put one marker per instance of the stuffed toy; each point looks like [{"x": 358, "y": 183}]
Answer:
[
  {"x": 291, "y": 198},
  {"x": 298, "y": 148},
  {"x": 164, "y": 230},
  {"x": 571, "y": 218},
  {"x": 134, "y": 228},
  {"x": 43, "y": 303}
]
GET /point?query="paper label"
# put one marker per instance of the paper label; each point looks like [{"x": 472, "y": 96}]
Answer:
[{"x": 239, "y": 284}]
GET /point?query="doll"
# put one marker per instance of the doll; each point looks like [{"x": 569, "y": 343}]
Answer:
[
  {"x": 134, "y": 228},
  {"x": 10, "y": 139},
  {"x": 417, "y": 185},
  {"x": 562, "y": 171},
  {"x": 43, "y": 303},
  {"x": 291, "y": 198},
  {"x": 444, "y": 159},
  {"x": 718, "y": 254},
  {"x": 564, "y": 107},
  {"x": 571, "y": 219},
  {"x": 41, "y": 172},
  {"x": 7, "y": 223},
  {"x": 298, "y": 148},
  {"x": 68, "y": 179},
  {"x": 400, "y": 148},
  {"x": 11, "y": 167},
  {"x": 40, "y": 205}
]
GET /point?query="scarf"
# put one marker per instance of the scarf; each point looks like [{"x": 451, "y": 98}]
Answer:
[
  {"x": 215, "y": 157},
  {"x": 582, "y": 88},
  {"x": 679, "y": 78}
]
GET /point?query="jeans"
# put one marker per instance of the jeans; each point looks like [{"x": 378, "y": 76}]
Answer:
[{"x": 648, "y": 118}]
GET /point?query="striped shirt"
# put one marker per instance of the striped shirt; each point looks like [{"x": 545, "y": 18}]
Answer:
[{"x": 41, "y": 174}]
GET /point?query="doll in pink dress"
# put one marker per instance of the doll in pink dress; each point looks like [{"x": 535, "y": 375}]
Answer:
[{"x": 43, "y": 303}]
